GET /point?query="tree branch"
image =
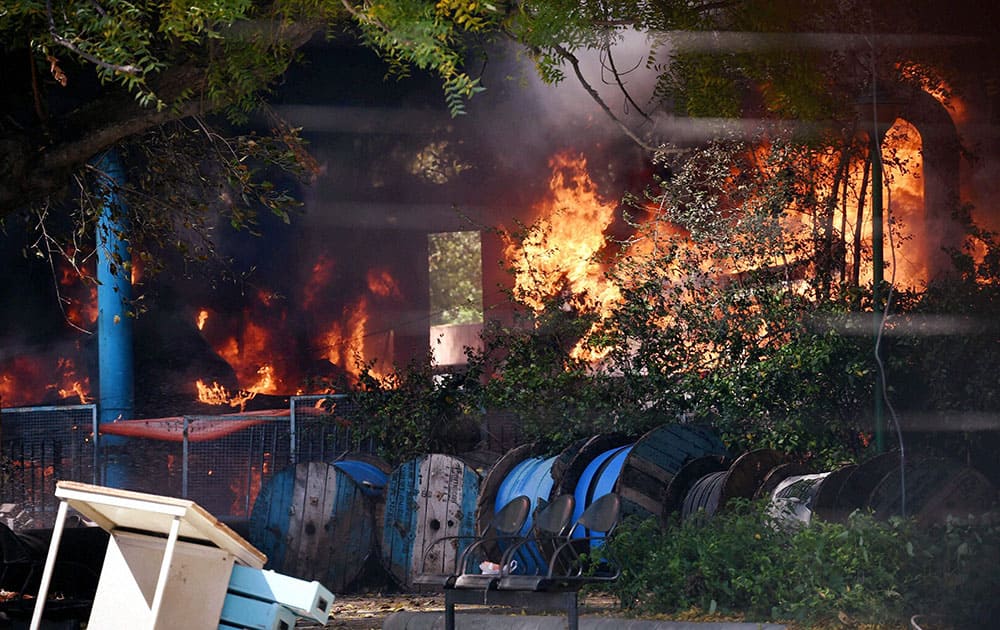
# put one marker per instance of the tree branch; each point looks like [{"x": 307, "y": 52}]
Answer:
[
  {"x": 32, "y": 169},
  {"x": 575, "y": 63},
  {"x": 62, "y": 41},
  {"x": 621, "y": 85}
]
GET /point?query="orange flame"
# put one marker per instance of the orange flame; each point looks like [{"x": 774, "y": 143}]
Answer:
[
  {"x": 202, "y": 318},
  {"x": 560, "y": 254},
  {"x": 216, "y": 394},
  {"x": 322, "y": 272},
  {"x": 244, "y": 496},
  {"x": 382, "y": 284},
  {"x": 29, "y": 380},
  {"x": 346, "y": 344}
]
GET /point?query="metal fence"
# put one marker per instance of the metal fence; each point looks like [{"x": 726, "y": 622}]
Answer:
[
  {"x": 39, "y": 446},
  {"x": 319, "y": 431},
  {"x": 222, "y": 469}
]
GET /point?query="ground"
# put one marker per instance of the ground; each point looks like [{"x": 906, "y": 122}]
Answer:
[{"x": 366, "y": 612}]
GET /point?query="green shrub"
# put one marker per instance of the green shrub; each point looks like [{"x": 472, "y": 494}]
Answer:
[{"x": 745, "y": 560}]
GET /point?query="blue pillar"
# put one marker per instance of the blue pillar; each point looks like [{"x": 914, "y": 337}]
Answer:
[{"x": 114, "y": 324}]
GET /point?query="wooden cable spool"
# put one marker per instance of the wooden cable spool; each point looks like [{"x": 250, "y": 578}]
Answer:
[
  {"x": 825, "y": 501},
  {"x": 653, "y": 461},
  {"x": 857, "y": 487},
  {"x": 315, "y": 521},
  {"x": 677, "y": 490},
  {"x": 936, "y": 487},
  {"x": 426, "y": 498},
  {"x": 778, "y": 474}
]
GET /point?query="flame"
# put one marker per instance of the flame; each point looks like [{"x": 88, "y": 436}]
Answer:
[
  {"x": 249, "y": 355},
  {"x": 322, "y": 272},
  {"x": 559, "y": 255},
  {"x": 201, "y": 319},
  {"x": 903, "y": 202},
  {"x": 243, "y": 496},
  {"x": 213, "y": 394},
  {"x": 382, "y": 284},
  {"x": 216, "y": 394},
  {"x": 349, "y": 343},
  {"x": 75, "y": 389},
  {"x": 78, "y": 293},
  {"x": 26, "y": 380}
]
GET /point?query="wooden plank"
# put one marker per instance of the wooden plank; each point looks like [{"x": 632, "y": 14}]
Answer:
[
  {"x": 320, "y": 521},
  {"x": 194, "y": 590},
  {"x": 112, "y": 508},
  {"x": 296, "y": 519},
  {"x": 348, "y": 533},
  {"x": 253, "y": 614},
  {"x": 397, "y": 529},
  {"x": 269, "y": 518},
  {"x": 306, "y": 599},
  {"x": 320, "y": 484}
]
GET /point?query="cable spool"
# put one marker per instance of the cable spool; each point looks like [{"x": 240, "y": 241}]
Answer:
[
  {"x": 741, "y": 480},
  {"x": 589, "y": 469},
  {"x": 653, "y": 461},
  {"x": 858, "y": 485},
  {"x": 793, "y": 497},
  {"x": 704, "y": 495},
  {"x": 935, "y": 488},
  {"x": 824, "y": 503},
  {"x": 677, "y": 490},
  {"x": 427, "y": 497},
  {"x": 525, "y": 471},
  {"x": 316, "y": 521},
  {"x": 532, "y": 477},
  {"x": 778, "y": 474},
  {"x": 488, "y": 502}
]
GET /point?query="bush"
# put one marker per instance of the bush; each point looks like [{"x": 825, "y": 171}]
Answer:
[{"x": 744, "y": 560}]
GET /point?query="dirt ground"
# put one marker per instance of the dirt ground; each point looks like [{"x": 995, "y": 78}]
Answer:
[{"x": 367, "y": 612}]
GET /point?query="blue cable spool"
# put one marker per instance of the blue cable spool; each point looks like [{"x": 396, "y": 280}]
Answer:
[
  {"x": 598, "y": 479},
  {"x": 369, "y": 478},
  {"x": 532, "y": 478}
]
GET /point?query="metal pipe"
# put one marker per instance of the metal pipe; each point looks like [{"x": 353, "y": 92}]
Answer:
[
  {"x": 114, "y": 323},
  {"x": 878, "y": 278}
]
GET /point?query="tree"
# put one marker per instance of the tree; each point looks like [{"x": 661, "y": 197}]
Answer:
[
  {"x": 84, "y": 76},
  {"x": 153, "y": 79}
]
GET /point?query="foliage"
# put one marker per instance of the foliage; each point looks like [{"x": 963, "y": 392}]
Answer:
[
  {"x": 428, "y": 36},
  {"x": 718, "y": 319},
  {"x": 947, "y": 363},
  {"x": 868, "y": 571},
  {"x": 414, "y": 411},
  {"x": 179, "y": 182},
  {"x": 557, "y": 398},
  {"x": 131, "y": 44},
  {"x": 455, "y": 269}
]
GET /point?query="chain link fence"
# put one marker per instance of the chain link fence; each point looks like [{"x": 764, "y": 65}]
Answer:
[
  {"x": 38, "y": 447},
  {"x": 218, "y": 461},
  {"x": 320, "y": 431}
]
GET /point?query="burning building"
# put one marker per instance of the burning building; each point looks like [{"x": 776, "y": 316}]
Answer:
[{"x": 348, "y": 283}]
